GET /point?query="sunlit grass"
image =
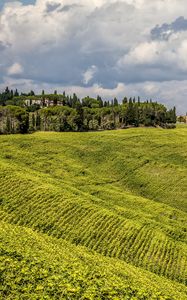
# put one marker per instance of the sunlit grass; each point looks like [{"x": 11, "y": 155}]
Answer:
[{"x": 122, "y": 194}]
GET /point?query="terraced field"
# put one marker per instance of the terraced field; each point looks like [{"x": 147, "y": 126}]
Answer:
[{"x": 115, "y": 199}]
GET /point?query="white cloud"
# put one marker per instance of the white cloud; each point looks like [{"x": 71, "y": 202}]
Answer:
[
  {"x": 163, "y": 55},
  {"x": 144, "y": 53},
  {"x": 89, "y": 74},
  {"x": 60, "y": 43},
  {"x": 182, "y": 55},
  {"x": 15, "y": 69}
]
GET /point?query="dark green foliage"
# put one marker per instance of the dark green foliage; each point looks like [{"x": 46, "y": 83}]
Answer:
[
  {"x": 13, "y": 119},
  {"x": 74, "y": 114},
  {"x": 33, "y": 107},
  {"x": 89, "y": 115}
]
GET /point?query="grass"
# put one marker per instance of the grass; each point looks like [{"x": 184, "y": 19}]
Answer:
[{"x": 119, "y": 196}]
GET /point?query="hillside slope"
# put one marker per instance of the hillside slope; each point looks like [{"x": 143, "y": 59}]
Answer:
[
  {"x": 122, "y": 194},
  {"x": 34, "y": 266}
]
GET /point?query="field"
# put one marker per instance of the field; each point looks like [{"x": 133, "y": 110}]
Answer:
[{"x": 97, "y": 215}]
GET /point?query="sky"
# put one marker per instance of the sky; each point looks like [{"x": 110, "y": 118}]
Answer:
[{"x": 96, "y": 47}]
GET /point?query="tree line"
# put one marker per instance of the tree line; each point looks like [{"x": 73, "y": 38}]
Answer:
[{"x": 61, "y": 112}]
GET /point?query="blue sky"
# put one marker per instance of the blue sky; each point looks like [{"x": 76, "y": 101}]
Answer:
[
  {"x": 25, "y": 2},
  {"x": 107, "y": 47}
]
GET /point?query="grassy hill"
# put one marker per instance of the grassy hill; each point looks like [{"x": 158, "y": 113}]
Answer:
[
  {"x": 35, "y": 266},
  {"x": 81, "y": 204}
]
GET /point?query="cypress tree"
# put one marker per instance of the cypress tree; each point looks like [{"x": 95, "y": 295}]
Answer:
[
  {"x": 125, "y": 100},
  {"x": 16, "y": 94},
  {"x": 115, "y": 102}
]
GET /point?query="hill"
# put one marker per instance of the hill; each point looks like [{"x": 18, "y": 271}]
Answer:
[
  {"x": 35, "y": 266},
  {"x": 116, "y": 197}
]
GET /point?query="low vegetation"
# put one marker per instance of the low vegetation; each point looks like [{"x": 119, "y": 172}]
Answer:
[
  {"x": 34, "y": 266},
  {"x": 94, "y": 215}
]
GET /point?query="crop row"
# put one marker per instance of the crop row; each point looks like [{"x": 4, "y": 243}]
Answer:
[
  {"x": 41, "y": 267},
  {"x": 46, "y": 209}
]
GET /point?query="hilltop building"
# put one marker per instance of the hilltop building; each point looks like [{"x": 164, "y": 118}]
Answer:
[{"x": 42, "y": 102}]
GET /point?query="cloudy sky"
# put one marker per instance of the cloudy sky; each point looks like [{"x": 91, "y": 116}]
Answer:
[{"x": 106, "y": 47}]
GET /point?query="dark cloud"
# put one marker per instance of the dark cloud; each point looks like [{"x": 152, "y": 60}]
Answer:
[
  {"x": 52, "y": 7},
  {"x": 2, "y": 46},
  {"x": 104, "y": 40},
  {"x": 164, "y": 31},
  {"x": 66, "y": 8}
]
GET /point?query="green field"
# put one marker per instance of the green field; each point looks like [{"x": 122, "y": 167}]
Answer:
[{"x": 96, "y": 215}]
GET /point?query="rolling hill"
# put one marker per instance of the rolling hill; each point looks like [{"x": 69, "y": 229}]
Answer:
[{"x": 97, "y": 215}]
